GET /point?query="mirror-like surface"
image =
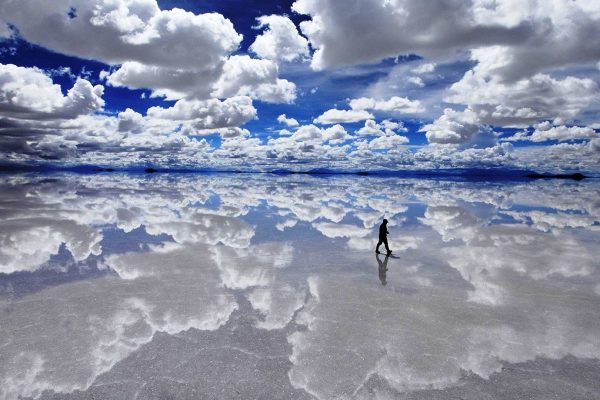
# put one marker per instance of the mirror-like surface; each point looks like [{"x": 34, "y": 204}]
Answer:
[{"x": 261, "y": 286}]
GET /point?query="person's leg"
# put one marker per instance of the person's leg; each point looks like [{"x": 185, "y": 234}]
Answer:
[
  {"x": 378, "y": 244},
  {"x": 387, "y": 248}
]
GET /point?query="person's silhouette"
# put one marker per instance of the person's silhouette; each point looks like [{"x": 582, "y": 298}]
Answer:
[
  {"x": 382, "y": 268},
  {"x": 383, "y": 232}
]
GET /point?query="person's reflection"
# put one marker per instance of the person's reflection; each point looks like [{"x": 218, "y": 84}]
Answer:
[{"x": 382, "y": 268}]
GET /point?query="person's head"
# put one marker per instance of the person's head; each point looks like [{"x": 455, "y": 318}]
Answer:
[{"x": 385, "y": 221}]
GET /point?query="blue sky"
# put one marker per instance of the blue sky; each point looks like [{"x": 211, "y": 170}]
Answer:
[{"x": 360, "y": 84}]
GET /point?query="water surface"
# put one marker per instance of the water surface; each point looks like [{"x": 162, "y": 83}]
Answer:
[{"x": 191, "y": 286}]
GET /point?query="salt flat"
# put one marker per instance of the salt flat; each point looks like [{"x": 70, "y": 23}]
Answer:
[{"x": 191, "y": 286}]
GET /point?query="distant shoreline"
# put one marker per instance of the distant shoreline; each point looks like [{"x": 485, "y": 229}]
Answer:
[{"x": 466, "y": 174}]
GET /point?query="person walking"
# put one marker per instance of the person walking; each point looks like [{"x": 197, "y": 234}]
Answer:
[{"x": 383, "y": 232}]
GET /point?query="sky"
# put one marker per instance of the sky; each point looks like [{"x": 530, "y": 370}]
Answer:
[{"x": 299, "y": 85}]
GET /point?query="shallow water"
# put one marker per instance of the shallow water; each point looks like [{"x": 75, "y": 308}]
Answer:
[{"x": 259, "y": 286}]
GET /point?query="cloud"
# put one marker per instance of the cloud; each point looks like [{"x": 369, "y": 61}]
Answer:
[
  {"x": 5, "y": 31},
  {"x": 175, "y": 53},
  {"x": 257, "y": 79},
  {"x": 455, "y": 127},
  {"x": 29, "y": 94},
  {"x": 238, "y": 75},
  {"x": 280, "y": 41},
  {"x": 502, "y": 103},
  {"x": 560, "y": 157},
  {"x": 532, "y": 36},
  {"x": 282, "y": 119},
  {"x": 171, "y": 83},
  {"x": 336, "y": 134},
  {"x": 386, "y": 128},
  {"x": 561, "y": 133},
  {"x": 452, "y": 156},
  {"x": 416, "y": 80},
  {"x": 335, "y": 116},
  {"x": 208, "y": 114},
  {"x": 424, "y": 68},
  {"x": 118, "y": 31},
  {"x": 395, "y": 104},
  {"x": 369, "y": 31},
  {"x": 387, "y": 142}
]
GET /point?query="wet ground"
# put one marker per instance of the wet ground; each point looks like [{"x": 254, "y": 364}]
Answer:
[{"x": 116, "y": 286}]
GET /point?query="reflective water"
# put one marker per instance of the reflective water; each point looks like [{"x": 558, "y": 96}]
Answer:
[{"x": 260, "y": 286}]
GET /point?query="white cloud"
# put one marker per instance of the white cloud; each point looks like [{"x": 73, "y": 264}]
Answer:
[
  {"x": 386, "y": 128},
  {"x": 536, "y": 35},
  {"x": 387, "y": 142},
  {"x": 280, "y": 41},
  {"x": 130, "y": 121},
  {"x": 208, "y": 114},
  {"x": 336, "y": 134},
  {"x": 282, "y": 119},
  {"x": 257, "y": 79},
  {"x": 425, "y": 68},
  {"x": 28, "y": 93},
  {"x": 456, "y": 127},
  {"x": 416, "y": 80},
  {"x": 560, "y": 133},
  {"x": 307, "y": 132},
  {"x": 335, "y": 116},
  {"x": 119, "y": 31},
  {"x": 395, "y": 104},
  {"x": 374, "y": 30},
  {"x": 172, "y": 83},
  {"x": 238, "y": 75},
  {"x": 174, "y": 53},
  {"x": 504, "y": 103}
]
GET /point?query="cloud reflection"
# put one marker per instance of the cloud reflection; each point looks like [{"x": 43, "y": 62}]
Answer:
[{"x": 488, "y": 274}]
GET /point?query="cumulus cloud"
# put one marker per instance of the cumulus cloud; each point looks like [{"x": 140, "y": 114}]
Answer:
[
  {"x": 561, "y": 133},
  {"x": 282, "y": 119},
  {"x": 335, "y": 116},
  {"x": 175, "y": 53},
  {"x": 280, "y": 41},
  {"x": 171, "y": 83},
  {"x": 258, "y": 79},
  {"x": 395, "y": 104},
  {"x": 119, "y": 31},
  {"x": 386, "y": 128},
  {"x": 521, "y": 54},
  {"x": 336, "y": 134},
  {"x": 455, "y": 127},
  {"x": 503, "y": 103},
  {"x": 28, "y": 93},
  {"x": 208, "y": 114},
  {"x": 424, "y": 68},
  {"x": 369, "y": 31},
  {"x": 238, "y": 75},
  {"x": 387, "y": 142},
  {"x": 532, "y": 34}
]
